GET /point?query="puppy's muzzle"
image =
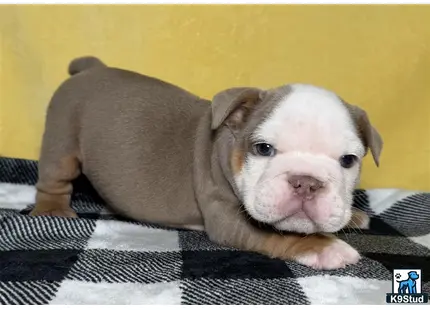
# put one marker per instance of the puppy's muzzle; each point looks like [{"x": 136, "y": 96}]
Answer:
[{"x": 305, "y": 187}]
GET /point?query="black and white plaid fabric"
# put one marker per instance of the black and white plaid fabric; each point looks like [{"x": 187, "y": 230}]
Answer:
[{"x": 101, "y": 258}]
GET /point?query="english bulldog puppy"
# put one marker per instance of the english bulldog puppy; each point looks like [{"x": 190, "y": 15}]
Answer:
[{"x": 265, "y": 170}]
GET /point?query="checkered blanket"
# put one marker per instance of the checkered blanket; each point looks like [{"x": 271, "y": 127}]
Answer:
[{"x": 101, "y": 258}]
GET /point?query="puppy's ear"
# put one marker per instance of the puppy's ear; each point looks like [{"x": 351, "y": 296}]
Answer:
[
  {"x": 233, "y": 106},
  {"x": 369, "y": 135}
]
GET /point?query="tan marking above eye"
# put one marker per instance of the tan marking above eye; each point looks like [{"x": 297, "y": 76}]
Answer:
[{"x": 237, "y": 160}]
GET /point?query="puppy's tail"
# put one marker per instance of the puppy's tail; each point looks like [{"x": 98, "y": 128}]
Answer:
[{"x": 84, "y": 63}]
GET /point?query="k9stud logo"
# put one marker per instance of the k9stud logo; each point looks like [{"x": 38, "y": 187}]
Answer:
[{"x": 407, "y": 287}]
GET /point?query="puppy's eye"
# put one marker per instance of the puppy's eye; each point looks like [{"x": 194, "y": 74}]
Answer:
[
  {"x": 347, "y": 161},
  {"x": 264, "y": 149}
]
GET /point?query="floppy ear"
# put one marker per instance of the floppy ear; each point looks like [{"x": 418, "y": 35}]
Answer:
[
  {"x": 368, "y": 134},
  {"x": 233, "y": 106}
]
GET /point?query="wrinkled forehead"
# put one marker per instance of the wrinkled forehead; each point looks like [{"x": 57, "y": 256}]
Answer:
[{"x": 309, "y": 119}]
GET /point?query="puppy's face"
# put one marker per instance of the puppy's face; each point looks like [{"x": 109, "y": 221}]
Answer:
[{"x": 297, "y": 156}]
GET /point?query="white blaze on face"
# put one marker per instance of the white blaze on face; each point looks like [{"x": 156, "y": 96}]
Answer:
[{"x": 310, "y": 130}]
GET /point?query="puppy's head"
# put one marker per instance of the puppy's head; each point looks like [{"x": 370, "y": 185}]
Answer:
[{"x": 297, "y": 154}]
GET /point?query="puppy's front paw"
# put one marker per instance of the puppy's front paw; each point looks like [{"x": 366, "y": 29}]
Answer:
[{"x": 334, "y": 255}]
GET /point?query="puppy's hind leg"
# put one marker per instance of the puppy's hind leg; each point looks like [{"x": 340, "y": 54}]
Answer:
[
  {"x": 54, "y": 187},
  {"x": 58, "y": 163}
]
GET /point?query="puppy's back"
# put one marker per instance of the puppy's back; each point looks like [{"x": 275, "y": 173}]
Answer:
[{"x": 134, "y": 135}]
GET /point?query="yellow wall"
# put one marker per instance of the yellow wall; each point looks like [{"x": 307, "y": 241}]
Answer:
[{"x": 375, "y": 56}]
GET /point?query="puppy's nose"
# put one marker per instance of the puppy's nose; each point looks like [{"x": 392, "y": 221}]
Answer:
[{"x": 305, "y": 186}]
